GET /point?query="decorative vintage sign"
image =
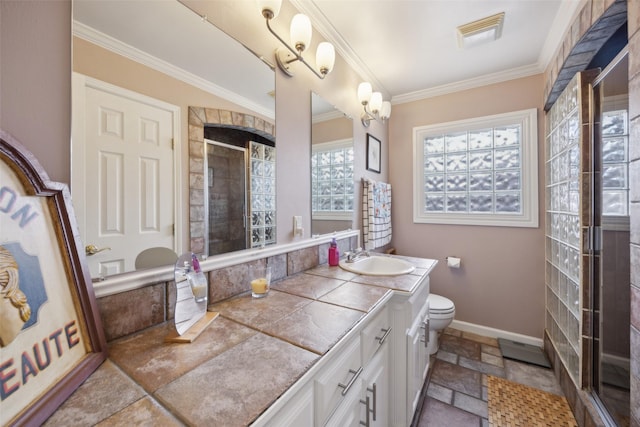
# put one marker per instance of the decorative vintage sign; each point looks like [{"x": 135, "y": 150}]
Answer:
[{"x": 51, "y": 337}]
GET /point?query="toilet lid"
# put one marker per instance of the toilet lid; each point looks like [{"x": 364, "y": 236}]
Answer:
[{"x": 439, "y": 303}]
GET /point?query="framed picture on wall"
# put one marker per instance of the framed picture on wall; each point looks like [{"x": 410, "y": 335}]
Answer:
[{"x": 374, "y": 153}]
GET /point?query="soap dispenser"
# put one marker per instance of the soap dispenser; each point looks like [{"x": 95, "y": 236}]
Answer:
[{"x": 334, "y": 253}]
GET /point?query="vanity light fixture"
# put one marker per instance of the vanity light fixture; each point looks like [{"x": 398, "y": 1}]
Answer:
[
  {"x": 374, "y": 107},
  {"x": 300, "y": 35}
]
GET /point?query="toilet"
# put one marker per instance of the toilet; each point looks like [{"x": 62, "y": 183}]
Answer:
[{"x": 441, "y": 313}]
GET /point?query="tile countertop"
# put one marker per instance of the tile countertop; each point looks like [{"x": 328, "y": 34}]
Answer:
[{"x": 241, "y": 363}]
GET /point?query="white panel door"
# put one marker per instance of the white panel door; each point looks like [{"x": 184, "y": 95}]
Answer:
[{"x": 125, "y": 173}]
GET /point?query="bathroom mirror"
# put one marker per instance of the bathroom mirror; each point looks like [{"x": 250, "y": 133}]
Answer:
[
  {"x": 332, "y": 176},
  {"x": 163, "y": 51}
]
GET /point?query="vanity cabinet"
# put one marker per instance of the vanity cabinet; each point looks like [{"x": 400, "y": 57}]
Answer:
[
  {"x": 366, "y": 392},
  {"x": 372, "y": 377},
  {"x": 336, "y": 392}
]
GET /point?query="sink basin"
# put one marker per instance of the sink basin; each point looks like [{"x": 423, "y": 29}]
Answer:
[{"x": 378, "y": 266}]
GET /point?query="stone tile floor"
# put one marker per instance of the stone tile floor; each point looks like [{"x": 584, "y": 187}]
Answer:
[{"x": 456, "y": 393}]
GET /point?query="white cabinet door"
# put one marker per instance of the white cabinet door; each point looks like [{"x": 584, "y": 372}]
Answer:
[
  {"x": 406, "y": 312},
  {"x": 376, "y": 388},
  {"x": 423, "y": 354},
  {"x": 417, "y": 361},
  {"x": 413, "y": 361}
]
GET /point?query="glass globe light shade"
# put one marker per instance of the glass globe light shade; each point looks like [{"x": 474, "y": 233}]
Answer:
[
  {"x": 300, "y": 31},
  {"x": 364, "y": 92},
  {"x": 376, "y": 101}
]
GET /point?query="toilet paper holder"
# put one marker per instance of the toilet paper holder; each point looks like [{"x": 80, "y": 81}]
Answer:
[{"x": 453, "y": 262}]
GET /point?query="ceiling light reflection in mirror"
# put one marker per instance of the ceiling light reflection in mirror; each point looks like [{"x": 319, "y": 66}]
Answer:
[
  {"x": 332, "y": 173},
  {"x": 188, "y": 61}
]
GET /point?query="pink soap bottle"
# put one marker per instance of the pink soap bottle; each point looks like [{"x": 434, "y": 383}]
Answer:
[{"x": 334, "y": 253}]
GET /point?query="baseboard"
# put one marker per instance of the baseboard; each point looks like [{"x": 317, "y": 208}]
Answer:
[{"x": 495, "y": 333}]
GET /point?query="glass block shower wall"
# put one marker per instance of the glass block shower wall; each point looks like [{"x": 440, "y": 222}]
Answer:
[
  {"x": 262, "y": 175},
  {"x": 568, "y": 198}
]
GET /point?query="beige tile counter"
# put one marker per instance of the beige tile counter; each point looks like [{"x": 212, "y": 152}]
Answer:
[{"x": 251, "y": 354}]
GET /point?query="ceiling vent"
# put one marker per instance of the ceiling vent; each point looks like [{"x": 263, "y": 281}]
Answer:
[{"x": 481, "y": 31}]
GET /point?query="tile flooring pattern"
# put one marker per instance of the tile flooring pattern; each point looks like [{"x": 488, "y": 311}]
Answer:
[{"x": 456, "y": 394}]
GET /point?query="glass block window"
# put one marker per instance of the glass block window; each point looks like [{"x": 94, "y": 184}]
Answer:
[
  {"x": 615, "y": 161},
  {"x": 332, "y": 184},
  {"x": 262, "y": 175},
  {"x": 481, "y": 171}
]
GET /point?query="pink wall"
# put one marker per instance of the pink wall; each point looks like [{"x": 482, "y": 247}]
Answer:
[
  {"x": 35, "y": 79},
  {"x": 501, "y": 282}
]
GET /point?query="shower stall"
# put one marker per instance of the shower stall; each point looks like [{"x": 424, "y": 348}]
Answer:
[{"x": 587, "y": 234}]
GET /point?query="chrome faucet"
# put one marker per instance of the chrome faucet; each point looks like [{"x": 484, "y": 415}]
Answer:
[{"x": 354, "y": 254}]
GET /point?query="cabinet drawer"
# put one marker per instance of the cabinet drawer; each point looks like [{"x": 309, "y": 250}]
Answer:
[
  {"x": 375, "y": 334},
  {"x": 338, "y": 379}
]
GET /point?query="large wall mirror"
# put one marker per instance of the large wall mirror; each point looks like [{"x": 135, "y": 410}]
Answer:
[
  {"x": 332, "y": 170},
  {"x": 139, "y": 67}
]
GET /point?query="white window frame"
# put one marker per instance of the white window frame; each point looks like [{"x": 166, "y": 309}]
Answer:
[
  {"x": 612, "y": 222},
  {"x": 527, "y": 119},
  {"x": 332, "y": 215}
]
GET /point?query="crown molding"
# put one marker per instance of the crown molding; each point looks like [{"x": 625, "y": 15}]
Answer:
[
  {"x": 116, "y": 46},
  {"x": 329, "y": 33},
  {"x": 329, "y": 115},
  {"x": 502, "y": 76},
  {"x": 561, "y": 25}
]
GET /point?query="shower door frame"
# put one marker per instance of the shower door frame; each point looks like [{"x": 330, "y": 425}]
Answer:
[
  {"x": 247, "y": 240},
  {"x": 595, "y": 269}
]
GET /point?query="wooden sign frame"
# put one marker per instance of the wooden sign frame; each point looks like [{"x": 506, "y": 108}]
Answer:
[{"x": 51, "y": 335}]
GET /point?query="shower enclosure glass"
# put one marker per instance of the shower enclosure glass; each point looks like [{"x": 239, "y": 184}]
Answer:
[
  {"x": 241, "y": 195},
  {"x": 611, "y": 268},
  {"x": 225, "y": 169}
]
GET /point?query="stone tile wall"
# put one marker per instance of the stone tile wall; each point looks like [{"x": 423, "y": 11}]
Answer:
[
  {"x": 132, "y": 311},
  {"x": 593, "y": 26}
]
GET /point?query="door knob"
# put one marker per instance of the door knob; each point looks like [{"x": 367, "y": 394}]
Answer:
[{"x": 93, "y": 249}]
